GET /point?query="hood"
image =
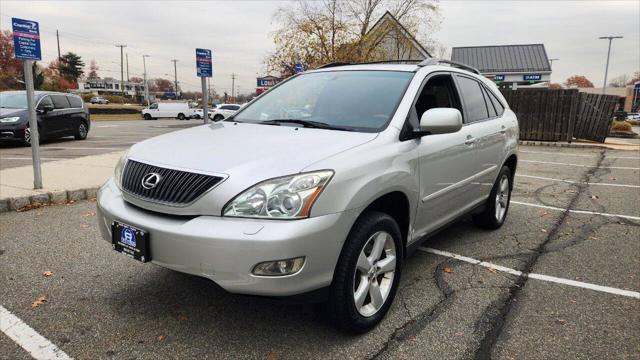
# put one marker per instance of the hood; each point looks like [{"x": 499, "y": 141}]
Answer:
[
  {"x": 6, "y": 112},
  {"x": 251, "y": 152}
]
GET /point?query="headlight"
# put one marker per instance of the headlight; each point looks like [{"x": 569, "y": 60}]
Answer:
[
  {"x": 288, "y": 197},
  {"x": 10, "y": 119},
  {"x": 117, "y": 174}
]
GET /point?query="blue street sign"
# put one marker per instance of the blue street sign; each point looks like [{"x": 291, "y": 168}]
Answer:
[
  {"x": 299, "y": 68},
  {"x": 499, "y": 78},
  {"x": 266, "y": 82},
  {"x": 529, "y": 77},
  {"x": 204, "y": 62},
  {"x": 26, "y": 39}
]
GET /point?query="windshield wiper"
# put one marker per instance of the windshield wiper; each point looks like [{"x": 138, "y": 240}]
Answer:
[{"x": 306, "y": 123}]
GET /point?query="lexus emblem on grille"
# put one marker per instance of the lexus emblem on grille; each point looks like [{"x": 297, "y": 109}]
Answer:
[{"x": 151, "y": 180}]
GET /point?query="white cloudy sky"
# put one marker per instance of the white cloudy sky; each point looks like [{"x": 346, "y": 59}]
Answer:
[{"x": 239, "y": 33}]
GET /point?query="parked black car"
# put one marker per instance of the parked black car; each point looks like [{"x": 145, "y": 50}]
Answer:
[{"x": 59, "y": 115}]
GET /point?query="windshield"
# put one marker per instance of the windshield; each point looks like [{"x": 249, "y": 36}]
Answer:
[
  {"x": 356, "y": 100},
  {"x": 13, "y": 100}
]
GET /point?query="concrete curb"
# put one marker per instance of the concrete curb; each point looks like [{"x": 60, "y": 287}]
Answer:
[
  {"x": 564, "y": 145},
  {"x": 23, "y": 203}
]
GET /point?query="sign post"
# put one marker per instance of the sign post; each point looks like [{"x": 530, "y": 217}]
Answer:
[
  {"x": 26, "y": 41},
  {"x": 204, "y": 69}
]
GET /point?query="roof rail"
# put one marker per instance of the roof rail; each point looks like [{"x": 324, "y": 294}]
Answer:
[
  {"x": 459, "y": 65},
  {"x": 333, "y": 64}
]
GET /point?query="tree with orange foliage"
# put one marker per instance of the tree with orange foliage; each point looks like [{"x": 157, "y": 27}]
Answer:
[
  {"x": 555, "y": 86},
  {"x": 578, "y": 81},
  {"x": 10, "y": 68}
]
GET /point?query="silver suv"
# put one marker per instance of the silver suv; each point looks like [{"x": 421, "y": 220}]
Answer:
[{"x": 321, "y": 186}]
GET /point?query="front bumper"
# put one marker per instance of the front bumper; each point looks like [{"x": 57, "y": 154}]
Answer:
[{"x": 226, "y": 249}]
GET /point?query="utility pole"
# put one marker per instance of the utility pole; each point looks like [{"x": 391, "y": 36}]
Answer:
[
  {"x": 233, "y": 87},
  {"x": 128, "y": 78},
  {"x": 122, "y": 46},
  {"x": 209, "y": 89},
  {"x": 58, "y": 40},
  {"x": 146, "y": 85},
  {"x": 175, "y": 76},
  {"x": 606, "y": 69}
]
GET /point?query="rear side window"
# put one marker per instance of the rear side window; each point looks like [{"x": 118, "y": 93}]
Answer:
[
  {"x": 75, "y": 101},
  {"x": 234, "y": 107},
  {"x": 60, "y": 101},
  {"x": 471, "y": 94},
  {"x": 494, "y": 100},
  {"x": 490, "y": 107}
]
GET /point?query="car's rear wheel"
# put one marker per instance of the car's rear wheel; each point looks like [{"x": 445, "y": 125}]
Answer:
[
  {"x": 367, "y": 274},
  {"x": 497, "y": 206},
  {"x": 147, "y": 116},
  {"x": 82, "y": 131},
  {"x": 181, "y": 116}
]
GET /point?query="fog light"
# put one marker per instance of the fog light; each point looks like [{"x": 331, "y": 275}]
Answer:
[{"x": 279, "y": 267}]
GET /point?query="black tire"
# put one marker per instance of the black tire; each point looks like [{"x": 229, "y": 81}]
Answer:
[
  {"x": 181, "y": 116},
  {"x": 218, "y": 118},
  {"x": 489, "y": 218},
  {"x": 341, "y": 306},
  {"x": 147, "y": 117},
  {"x": 81, "y": 131},
  {"x": 26, "y": 136}
]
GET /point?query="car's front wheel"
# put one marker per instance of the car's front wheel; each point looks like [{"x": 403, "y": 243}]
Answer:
[
  {"x": 147, "y": 116},
  {"x": 218, "y": 117},
  {"x": 367, "y": 274}
]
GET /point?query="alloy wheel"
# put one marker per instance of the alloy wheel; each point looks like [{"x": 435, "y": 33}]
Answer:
[
  {"x": 374, "y": 273},
  {"x": 502, "y": 198},
  {"x": 82, "y": 130},
  {"x": 27, "y": 135}
]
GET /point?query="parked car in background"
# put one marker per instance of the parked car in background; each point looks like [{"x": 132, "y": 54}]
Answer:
[
  {"x": 59, "y": 115},
  {"x": 327, "y": 205},
  {"x": 223, "y": 111},
  {"x": 633, "y": 116},
  {"x": 99, "y": 100},
  {"x": 176, "y": 110}
]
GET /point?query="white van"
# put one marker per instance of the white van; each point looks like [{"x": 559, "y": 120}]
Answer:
[{"x": 176, "y": 110}]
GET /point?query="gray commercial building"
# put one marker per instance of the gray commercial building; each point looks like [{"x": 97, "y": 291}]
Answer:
[{"x": 507, "y": 64}]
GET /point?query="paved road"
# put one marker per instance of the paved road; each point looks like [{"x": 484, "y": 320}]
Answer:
[
  {"x": 104, "y": 305},
  {"x": 105, "y": 136}
]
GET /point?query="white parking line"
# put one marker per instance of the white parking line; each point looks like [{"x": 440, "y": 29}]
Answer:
[
  {"x": 576, "y": 211},
  {"x": 576, "y": 182},
  {"x": 22, "y": 334},
  {"x": 553, "y": 279},
  {"x": 580, "y": 155},
  {"x": 29, "y": 158},
  {"x": 589, "y": 166}
]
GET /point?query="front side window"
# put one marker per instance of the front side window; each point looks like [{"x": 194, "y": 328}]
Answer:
[
  {"x": 348, "y": 100},
  {"x": 60, "y": 101},
  {"x": 153, "y": 106},
  {"x": 471, "y": 93},
  {"x": 45, "y": 102}
]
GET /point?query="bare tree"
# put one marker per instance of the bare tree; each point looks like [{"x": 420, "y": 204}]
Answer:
[
  {"x": 619, "y": 81},
  {"x": 318, "y": 32}
]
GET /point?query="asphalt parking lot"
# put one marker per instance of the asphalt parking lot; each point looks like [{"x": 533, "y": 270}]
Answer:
[
  {"x": 104, "y": 137},
  {"x": 561, "y": 279}
]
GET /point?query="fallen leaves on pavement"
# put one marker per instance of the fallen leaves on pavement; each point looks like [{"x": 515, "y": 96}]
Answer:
[
  {"x": 91, "y": 213},
  {"x": 162, "y": 338},
  {"x": 448, "y": 270},
  {"x": 47, "y": 273},
  {"x": 39, "y": 301},
  {"x": 182, "y": 317},
  {"x": 493, "y": 270}
]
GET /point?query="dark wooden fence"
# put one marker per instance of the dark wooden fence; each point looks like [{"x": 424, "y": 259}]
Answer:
[{"x": 561, "y": 115}]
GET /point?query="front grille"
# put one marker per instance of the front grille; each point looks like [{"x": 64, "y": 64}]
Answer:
[{"x": 175, "y": 187}]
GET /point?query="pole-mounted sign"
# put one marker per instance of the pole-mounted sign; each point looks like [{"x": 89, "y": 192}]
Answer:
[
  {"x": 299, "y": 68},
  {"x": 204, "y": 69},
  {"x": 26, "y": 42}
]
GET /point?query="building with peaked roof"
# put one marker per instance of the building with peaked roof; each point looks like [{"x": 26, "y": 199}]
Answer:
[
  {"x": 507, "y": 65},
  {"x": 389, "y": 40}
]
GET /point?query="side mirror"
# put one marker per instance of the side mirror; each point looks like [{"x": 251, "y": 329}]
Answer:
[
  {"x": 440, "y": 121},
  {"x": 47, "y": 108}
]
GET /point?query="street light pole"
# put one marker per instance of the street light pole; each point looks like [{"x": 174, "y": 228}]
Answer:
[
  {"x": 122, "y": 46},
  {"x": 146, "y": 85},
  {"x": 606, "y": 69},
  {"x": 175, "y": 75}
]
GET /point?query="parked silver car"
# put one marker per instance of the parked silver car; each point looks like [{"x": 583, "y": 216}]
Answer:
[{"x": 321, "y": 186}]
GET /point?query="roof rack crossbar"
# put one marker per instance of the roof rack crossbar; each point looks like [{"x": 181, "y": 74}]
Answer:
[
  {"x": 433, "y": 61},
  {"x": 333, "y": 64}
]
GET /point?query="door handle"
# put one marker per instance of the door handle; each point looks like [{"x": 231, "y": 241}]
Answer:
[
  {"x": 470, "y": 140},
  {"x": 503, "y": 130}
]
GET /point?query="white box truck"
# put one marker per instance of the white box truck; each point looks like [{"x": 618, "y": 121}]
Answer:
[{"x": 176, "y": 110}]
